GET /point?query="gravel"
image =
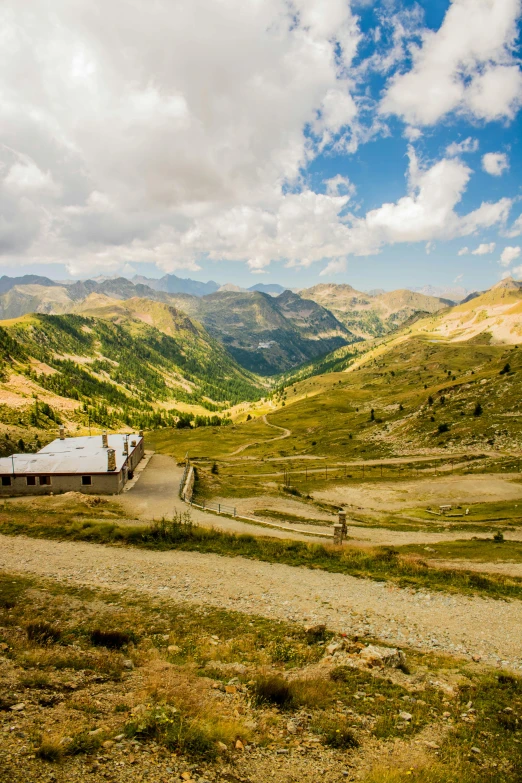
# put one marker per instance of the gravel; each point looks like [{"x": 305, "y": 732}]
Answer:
[{"x": 479, "y": 628}]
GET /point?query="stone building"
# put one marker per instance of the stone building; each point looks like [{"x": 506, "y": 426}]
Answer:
[{"x": 97, "y": 464}]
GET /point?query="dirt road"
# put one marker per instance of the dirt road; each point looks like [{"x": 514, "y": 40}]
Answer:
[
  {"x": 451, "y": 623},
  {"x": 156, "y": 495}
]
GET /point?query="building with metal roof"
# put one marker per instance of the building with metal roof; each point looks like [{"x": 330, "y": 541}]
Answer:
[{"x": 99, "y": 464}]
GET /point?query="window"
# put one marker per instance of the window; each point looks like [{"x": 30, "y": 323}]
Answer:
[
  {"x": 45, "y": 480},
  {"x": 31, "y": 481},
  {"x": 86, "y": 481},
  {"x": 6, "y": 481}
]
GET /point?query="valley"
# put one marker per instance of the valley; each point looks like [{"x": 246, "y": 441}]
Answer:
[{"x": 406, "y": 413}]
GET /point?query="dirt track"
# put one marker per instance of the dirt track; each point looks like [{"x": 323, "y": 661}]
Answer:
[{"x": 451, "y": 623}]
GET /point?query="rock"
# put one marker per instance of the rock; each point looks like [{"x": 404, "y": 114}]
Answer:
[
  {"x": 173, "y": 648},
  {"x": 476, "y": 658},
  {"x": 95, "y": 732},
  {"x": 119, "y": 737},
  {"x": 230, "y": 689},
  {"x": 4, "y": 647},
  {"x": 382, "y": 656},
  {"x": 18, "y": 707},
  {"x": 333, "y": 648},
  {"x": 239, "y": 745},
  {"x": 315, "y": 633},
  {"x": 407, "y": 716},
  {"x": 432, "y": 745},
  {"x": 186, "y": 776},
  {"x": 107, "y": 744},
  {"x": 128, "y": 664},
  {"x": 221, "y": 747},
  {"x": 475, "y": 750}
]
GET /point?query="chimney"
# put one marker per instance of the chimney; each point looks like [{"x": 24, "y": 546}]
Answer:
[
  {"x": 111, "y": 459},
  {"x": 105, "y": 440},
  {"x": 62, "y": 432},
  {"x": 126, "y": 446}
]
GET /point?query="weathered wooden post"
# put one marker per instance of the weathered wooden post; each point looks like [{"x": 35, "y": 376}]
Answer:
[{"x": 342, "y": 523}]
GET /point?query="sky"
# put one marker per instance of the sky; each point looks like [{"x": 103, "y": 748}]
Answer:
[{"x": 257, "y": 141}]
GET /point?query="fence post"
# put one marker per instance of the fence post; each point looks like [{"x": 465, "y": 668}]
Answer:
[{"x": 219, "y": 508}]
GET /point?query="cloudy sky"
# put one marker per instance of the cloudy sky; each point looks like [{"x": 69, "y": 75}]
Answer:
[{"x": 297, "y": 141}]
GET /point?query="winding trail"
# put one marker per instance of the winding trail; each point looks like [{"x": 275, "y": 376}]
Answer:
[
  {"x": 444, "y": 622},
  {"x": 286, "y": 434}
]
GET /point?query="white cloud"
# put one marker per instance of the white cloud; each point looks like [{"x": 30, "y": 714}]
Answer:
[
  {"x": 517, "y": 271},
  {"x": 463, "y": 251},
  {"x": 334, "y": 268},
  {"x": 412, "y": 134},
  {"x": 339, "y": 185},
  {"x": 180, "y": 131},
  {"x": 509, "y": 254},
  {"x": 459, "y": 148},
  {"x": 484, "y": 249},
  {"x": 495, "y": 163},
  {"x": 459, "y": 278},
  {"x": 466, "y": 66},
  {"x": 516, "y": 228}
]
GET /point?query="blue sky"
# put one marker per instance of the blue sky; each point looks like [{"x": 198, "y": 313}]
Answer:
[{"x": 299, "y": 142}]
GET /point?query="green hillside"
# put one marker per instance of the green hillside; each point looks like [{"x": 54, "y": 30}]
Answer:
[{"x": 122, "y": 371}]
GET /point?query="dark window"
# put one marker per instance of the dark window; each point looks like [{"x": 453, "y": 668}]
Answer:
[
  {"x": 86, "y": 481},
  {"x": 31, "y": 481},
  {"x": 45, "y": 480},
  {"x": 6, "y": 481}
]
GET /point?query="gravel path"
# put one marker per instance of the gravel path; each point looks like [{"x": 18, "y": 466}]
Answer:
[
  {"x": 452, "y": 623},
  {"x": 286, "y": 434}
]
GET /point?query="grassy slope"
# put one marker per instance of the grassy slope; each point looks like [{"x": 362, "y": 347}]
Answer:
[
  {"x": 183, "y": 654},
  {"x": 330, "y": 415},
  {"x": 123, "y": 363}
]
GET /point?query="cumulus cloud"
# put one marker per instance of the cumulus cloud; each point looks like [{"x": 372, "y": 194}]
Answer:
[
  {"x": 484, "y": 249},
  {"x": 516, "y": 228},
  {"x": 180, "y": 131},
  {"x": 461, "y": 147},
  {"x": 334, "y": 268},
  {"x": 517, "y": 271},
  {"x": 495, "y": 163},
  {"x": 509, "y": 254},
  {"x": 463, "y": 251},
  {"x": 339, "y": 185},
  {"x": 466, "y": 66}
]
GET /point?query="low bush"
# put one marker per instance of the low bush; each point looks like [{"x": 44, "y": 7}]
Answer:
[
  {"x": 43, "y": 633},
  {"x": 50, "y": 749},
  {"x": 274, "y": 690},
  {"x": 112, "y": 640}
]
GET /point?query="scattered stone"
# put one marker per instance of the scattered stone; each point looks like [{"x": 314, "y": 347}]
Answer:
[
  {"x": 239, "y": 745},
  {"x": 222, "y": 747},
  {"x": 475, "y": 750},
  {"x": 18, "y": 707},
  {"x": 315, "y": 633},
  {"x": 128, "y": 664},
  {"x": 407, "y": 716},
  {"x": 230, "y": 688},
  {"x": 382, "y": 656},
  {"x": 173, "y": 648}
]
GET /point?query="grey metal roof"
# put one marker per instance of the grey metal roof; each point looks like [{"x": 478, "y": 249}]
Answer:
[{"x": 70, "y": 456}]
